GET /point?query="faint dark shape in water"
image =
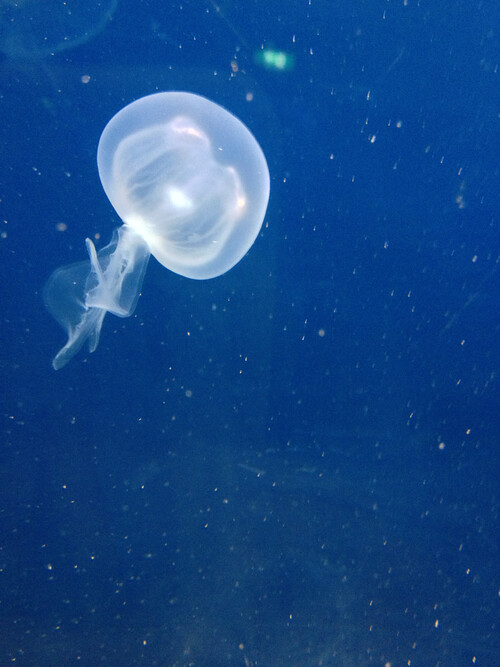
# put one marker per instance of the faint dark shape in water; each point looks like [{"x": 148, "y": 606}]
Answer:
[{"x": 33, "y": 29}]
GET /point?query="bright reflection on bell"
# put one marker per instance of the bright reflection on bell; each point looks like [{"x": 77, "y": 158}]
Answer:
[{"x": 178, "y": 198}]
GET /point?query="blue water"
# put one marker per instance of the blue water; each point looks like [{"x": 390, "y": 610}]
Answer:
[{"x": 296, "y": 463}]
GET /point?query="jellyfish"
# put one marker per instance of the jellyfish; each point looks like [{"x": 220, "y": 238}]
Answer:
[{"x": 191, "y": 186}]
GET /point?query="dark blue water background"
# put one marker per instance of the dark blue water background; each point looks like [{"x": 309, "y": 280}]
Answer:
[{"x": 296, "y": 463}]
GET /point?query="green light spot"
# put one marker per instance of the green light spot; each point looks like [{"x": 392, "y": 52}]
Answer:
[{"x": 277, "y": 60}]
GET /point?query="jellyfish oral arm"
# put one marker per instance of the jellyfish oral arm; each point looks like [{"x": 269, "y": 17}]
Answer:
[
  {"x": 80, "y": 295},
  {"x": 117, "y": 272},
  {"x": 88, "y": 328}
]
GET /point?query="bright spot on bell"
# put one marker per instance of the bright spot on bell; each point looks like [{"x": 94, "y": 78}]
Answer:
[{"x": 178, "y": 198}]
